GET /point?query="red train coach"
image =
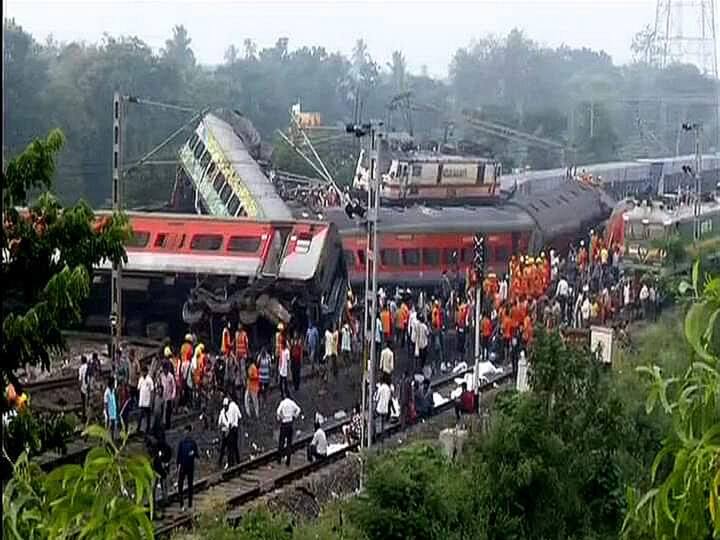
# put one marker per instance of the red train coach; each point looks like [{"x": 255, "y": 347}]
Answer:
[
  {"x": 418, "y": 243},
  {"x": 226, "y": 266}
]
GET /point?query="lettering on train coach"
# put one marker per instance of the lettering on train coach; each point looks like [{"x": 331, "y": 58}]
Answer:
[{"x": 454, "y": 172}]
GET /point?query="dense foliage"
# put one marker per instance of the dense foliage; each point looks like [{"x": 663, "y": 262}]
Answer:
[
  {"x": 577, "y": 97},
  {"x": 48, "y": 253},
  {"x": 105, "y": 497},
  {"x": 37, "y": 433},
  {"x": 682, "y": 501}
]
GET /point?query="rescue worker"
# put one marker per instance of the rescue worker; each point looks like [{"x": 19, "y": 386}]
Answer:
[
  {"x": 242, "y": 351},
  {"x": 437, "y": 324},
  {"x": 226, "y": 343}
]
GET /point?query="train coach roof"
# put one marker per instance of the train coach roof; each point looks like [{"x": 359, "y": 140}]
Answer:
[
  {"x": 487, "y": 219},
  {"x": 252, "y": 177},
  {"x": 565, "y": 211}
]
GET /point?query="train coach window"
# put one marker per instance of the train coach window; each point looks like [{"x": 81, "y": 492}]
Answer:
[
  {"x": 218, "y": 182},
  {"x": 431, "y": 256},
  {"x": 361, "y": 256},
  {"x": 411, "y": 257},
  {"x": 139, "y": 239},
  {"x": 449, "y": 256},
  {"x": 233, "y": 205},
  {"x": 206, "y": 242},
  {"x": 244, "y": 244},
  {"x": 160, "y": 240},
  {"x": 416, "y": 170},
  {"x": 389, "y": 257},
  {"x": 205, "y": 160},
  {"x": 193, "y": 141},
  {"x": 466, "y": 255},
  {"x": 199, "y": 149},
  {"x": 225, "y": 193}
]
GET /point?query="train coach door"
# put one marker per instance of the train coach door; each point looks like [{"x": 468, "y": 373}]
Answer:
[{"x": 274, "y": 256}]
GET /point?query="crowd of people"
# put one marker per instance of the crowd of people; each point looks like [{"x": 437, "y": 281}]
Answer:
[{"x": 435, "y": 331}]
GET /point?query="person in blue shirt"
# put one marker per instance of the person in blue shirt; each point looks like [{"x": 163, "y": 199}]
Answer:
[
  {"x": 187, "y": 453},
  {"x": 312, "y": 337},
  {"x": 110, "y": 407}
]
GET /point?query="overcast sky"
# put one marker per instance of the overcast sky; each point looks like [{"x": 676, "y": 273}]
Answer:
[{"x": 427, "y": 31}]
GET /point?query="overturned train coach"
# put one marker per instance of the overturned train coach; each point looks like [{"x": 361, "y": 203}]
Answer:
[
  {"x": 418, "y": 243},
  {"x": 210, "y": 268}
]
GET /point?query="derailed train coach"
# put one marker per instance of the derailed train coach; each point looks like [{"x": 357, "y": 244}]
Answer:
[
  {"x": 642, "y": 177},
  {"x": 209, "y": 269},
  {"x": 419, "y": 243}
]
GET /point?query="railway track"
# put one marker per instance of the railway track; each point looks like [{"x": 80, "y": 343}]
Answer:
[{"x": 255, "y": 477}]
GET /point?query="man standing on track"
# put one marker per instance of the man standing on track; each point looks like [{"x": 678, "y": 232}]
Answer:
[
  {"x": 234, "y": 416},
  {"x": 83, "y": 382},
  {"x": 286, "y": 414},
  {"x": 187, "y": 453}
]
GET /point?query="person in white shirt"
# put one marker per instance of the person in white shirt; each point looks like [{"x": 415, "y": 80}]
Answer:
[
  {"x": 562, "y": 293},
  {"x": 83, "y": 382},
  {"x": 383, "y": 406},
  {"x": 283, "y": 368},
  {"x": 224, "y": 427},
  {"x": 146, "y": 386},
  {"x": 233, "y": 416},
  {"x": 585, "y": 312},
  {"x": 387, "y": 362},
  {"x": 317, "y": 449},
  {"x": 422, "y": 339},
  {"x": 644, "y": 296},
  {"x": 503, "y": 289},
  {"x": 167, "y": 380},
  {"x": 286, "y": 414}
]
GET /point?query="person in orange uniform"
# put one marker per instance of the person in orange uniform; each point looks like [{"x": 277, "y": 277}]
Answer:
[
  {"x": 226, "y": 342},
  {"x": 507, "y": 331},
  {"x": 582, "y": 257},
  {"x": 527, "y": 331},
  {"x": 242, "y": 353},
  {"x": 403, "y": 316},
  {"x": 486, "y": 329},
  {"x": 386, "y": 320}
]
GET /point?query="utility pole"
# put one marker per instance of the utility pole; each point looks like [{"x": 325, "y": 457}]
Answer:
[
  {"x": 372, "y": 254},
  {"x": 698, "y": 179},
  {"x": 118, "y": 193},
  {"x": 116, "y": 315},
  {"x": 697, "y": 130},
  {"x": 479, "y": 264}
]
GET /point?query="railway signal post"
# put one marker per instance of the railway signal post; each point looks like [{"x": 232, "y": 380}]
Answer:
[{"x": 479, "y": 265}]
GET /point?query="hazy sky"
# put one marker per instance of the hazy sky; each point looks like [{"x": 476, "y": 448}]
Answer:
[{"x": 427, "y": 31}]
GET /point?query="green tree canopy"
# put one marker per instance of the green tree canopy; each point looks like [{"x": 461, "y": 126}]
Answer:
[{"x": 48, "y": 255}]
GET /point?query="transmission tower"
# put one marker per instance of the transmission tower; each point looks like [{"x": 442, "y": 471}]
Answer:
[{"x": 685, "y": 33}]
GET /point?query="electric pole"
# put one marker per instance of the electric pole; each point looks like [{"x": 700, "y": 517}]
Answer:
[
  {"x": 116, "y": 316},
  {"x": 697, "y": 130},
  {"x": 372, "y": 254},
  {"x": 698, "y": 179}
]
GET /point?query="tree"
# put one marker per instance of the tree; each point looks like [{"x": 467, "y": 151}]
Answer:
[
  {"x": 48, "y": 255},
  {"x": 398, "y": 70},
  {"x": 177, "y": 49},
  {"x": 102, "y": 498},
  {"x": 683, "y": 499}
]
